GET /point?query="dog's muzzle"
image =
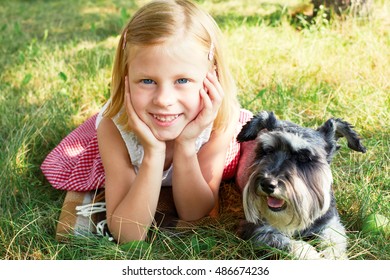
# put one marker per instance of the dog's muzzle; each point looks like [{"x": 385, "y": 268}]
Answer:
[{"x": 268, "y": 186}]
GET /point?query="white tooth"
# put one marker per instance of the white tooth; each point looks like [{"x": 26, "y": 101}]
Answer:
[{"x": 165, "y": 119}]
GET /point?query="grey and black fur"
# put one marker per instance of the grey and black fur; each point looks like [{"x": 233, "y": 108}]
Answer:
[{"x": 287, "y": 185}]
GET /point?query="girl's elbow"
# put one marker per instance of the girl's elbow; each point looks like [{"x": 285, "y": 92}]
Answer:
[
  {"x": 123, "y": 234},
  {"x": 131, "y": 239},
  {"x": 193, "y": 214},
  {"x": 123, "y": 238}
]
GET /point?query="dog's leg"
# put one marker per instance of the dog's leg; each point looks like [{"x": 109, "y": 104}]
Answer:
[
  {"x": 334, "y": 241},
  {"x": 304, "y": 251},
  {"x": 266, "y": 235},
  {"x": 263, "y": 234}
]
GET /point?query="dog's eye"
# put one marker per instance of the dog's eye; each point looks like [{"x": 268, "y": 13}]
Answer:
[
  {"x": 303, "y": 156},
  {"x": 268, "y": 150}
]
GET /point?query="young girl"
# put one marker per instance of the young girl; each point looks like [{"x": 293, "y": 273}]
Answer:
[{"x": 171, "y": 120}]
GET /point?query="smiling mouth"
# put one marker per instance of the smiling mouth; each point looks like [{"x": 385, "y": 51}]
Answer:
[
  {"x": 166, "y": 118},
  {"x": 276, "y": 204}
]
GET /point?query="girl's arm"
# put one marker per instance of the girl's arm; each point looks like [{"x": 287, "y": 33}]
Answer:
[
  {"x": 131, "y": 199},
  {"x": 196, "y": 177}
]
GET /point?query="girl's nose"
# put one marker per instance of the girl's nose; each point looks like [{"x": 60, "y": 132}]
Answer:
[{"x": 164, "y": 96}]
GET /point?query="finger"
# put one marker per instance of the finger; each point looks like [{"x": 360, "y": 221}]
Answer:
[
  {"x": 132, "y": 116},
  {"x": 212, "y": 92},
  {"x": 212, "y": 77},
  {"x": 134, "y": 121},
  {"x": 214, "y": 88},
  {"x": 207, "y": 103}
]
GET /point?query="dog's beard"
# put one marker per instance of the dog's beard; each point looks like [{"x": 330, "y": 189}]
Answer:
[{"x": 306, "y": 194}]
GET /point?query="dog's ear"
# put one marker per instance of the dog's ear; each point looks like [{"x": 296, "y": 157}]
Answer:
[
  {"x": 333, "y": 129},
  {"x": 263, "y": 120}
]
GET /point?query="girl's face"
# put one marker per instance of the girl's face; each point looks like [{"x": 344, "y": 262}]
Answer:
[{"x": 164, "y": 82}]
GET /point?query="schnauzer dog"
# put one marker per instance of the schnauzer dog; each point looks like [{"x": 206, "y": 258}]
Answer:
[{"x": 285, "y": 175}]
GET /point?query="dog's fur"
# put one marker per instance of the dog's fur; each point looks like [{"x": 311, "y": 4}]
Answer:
[{"x": 286, "y": 178}]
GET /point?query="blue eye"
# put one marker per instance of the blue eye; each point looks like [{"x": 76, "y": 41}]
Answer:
[
  {"x": 182, "y": 81},
  {"x": 147, "y": 81}
]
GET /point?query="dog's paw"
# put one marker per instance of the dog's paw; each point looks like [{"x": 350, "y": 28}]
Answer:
[
  {"x": 304, "y": 251},
  {"x": 334, "y": 242},
  {"x": 333, "y": 253}
]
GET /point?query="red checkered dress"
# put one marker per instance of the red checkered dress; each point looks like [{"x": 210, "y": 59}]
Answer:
[{"x": 75, "y": 164}]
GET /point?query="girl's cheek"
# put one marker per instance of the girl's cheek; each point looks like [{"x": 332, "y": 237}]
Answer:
[{"x": 200, "y": 103}]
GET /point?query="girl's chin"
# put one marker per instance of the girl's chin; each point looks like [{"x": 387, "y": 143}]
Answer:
[
  {"x": 165, "y": 135},
  {"x": 168, "y": 133}
]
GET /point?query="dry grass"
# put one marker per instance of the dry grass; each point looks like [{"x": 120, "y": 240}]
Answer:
[{"x": 55, "y": 64}]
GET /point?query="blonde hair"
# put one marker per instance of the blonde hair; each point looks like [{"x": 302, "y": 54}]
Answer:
[{"x": 154, "y": 24}]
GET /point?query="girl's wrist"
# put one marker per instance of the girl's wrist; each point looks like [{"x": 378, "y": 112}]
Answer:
[
  {"x": 155, "y": 151},
  {"x": 184, "y": 140},
  {"x": 185, "y": 147}
]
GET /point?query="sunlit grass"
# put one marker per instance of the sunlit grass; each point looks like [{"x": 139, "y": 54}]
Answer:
[{"x": 55, "y": 67}]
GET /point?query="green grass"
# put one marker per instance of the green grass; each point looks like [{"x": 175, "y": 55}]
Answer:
[{"x": 55, "y": 64}]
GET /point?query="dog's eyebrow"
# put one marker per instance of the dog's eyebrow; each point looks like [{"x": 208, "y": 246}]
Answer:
[
  {"x": 295, "y": 142},
  {"x": 305, "y": 151}
]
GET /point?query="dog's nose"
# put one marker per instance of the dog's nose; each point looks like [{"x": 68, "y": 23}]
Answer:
[{"x": 268, "y": 185}]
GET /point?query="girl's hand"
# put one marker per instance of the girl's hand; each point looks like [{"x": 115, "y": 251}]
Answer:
[
  {"x": 211, "y": 95},
  {"x": 141, "y": 130}
]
